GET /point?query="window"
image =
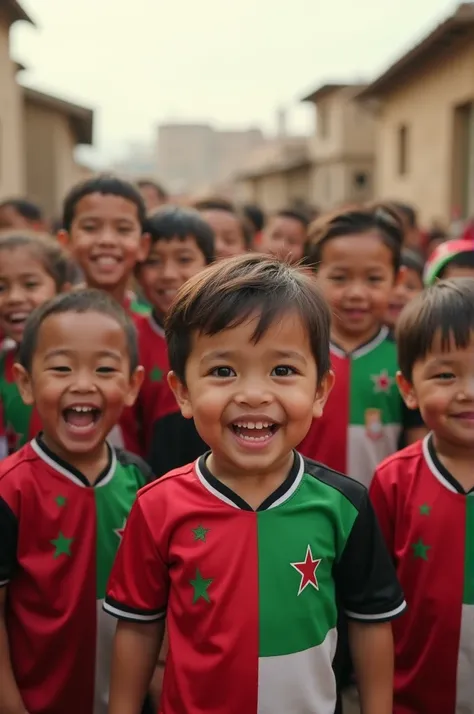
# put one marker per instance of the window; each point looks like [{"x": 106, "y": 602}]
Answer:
[
  {"x": 323, "y": 123},
  {"x": 402, "y": 149},
  {"x": 361, "y": 180}
]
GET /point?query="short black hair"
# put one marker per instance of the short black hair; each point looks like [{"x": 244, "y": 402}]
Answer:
[
  {"x": 176, "y": 222},
  {"x": 227, "y": 293},
  {"x": 255, "y": 215},
  {"x": 159, "y": 189},
  {"x": 445, "y": 309},
  {"x": 356, "y": 221},
  {"x": 296, "y": 215},
  {"x": 413, "y": 261},
  {"x": 408, "y": 213},
  {"x": 222, "y": 204},
  {"x": 28, "y": 210},
  {"x": 461, "y": 260},
  {"x": 78, "y": 301},
  {"x": 45, "y": 249},
  {"x": 107, "y": 185}
]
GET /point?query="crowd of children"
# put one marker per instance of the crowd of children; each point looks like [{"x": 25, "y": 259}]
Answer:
[{"x": 248, "y": 440}]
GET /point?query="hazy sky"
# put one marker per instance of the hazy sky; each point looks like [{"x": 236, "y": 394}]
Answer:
[{"x": 231, "y": 62}]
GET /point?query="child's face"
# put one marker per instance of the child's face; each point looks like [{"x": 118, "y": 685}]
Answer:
[
  {"x": 24, "y": 285},
  {"x": 228, "y": 233},
  {"x": 10, "y": 219},
  {"x": 285, "y": 238},
  {"x": 443, "y": 389},
  {"x": 106, "y": 240},
  {"x": 409, "y": 284},
  {"x": 79, "y": 386},
  {"x": 169, "y": 265},
  {"x": 252, "y": 402},
  {"x": 356, "y": 276}
]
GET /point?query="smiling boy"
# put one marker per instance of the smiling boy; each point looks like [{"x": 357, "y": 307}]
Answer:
[{"x": 247, "y": 550}]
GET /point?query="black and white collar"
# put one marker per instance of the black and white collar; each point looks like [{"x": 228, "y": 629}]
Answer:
[
  {"x": 73, "y": 474},
  {"x": 363, "y": 349},
  {"x": 439, "y": 470}
]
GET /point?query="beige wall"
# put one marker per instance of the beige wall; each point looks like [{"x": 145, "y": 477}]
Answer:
[
  {"x": 11, "y": 121},
  {"x": 334, "y": 183},
  {"x": 426, "y": 105},
  {"x": 276, "y": 191}
]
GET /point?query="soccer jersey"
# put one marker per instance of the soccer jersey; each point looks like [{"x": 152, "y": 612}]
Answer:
[
  {"x": 428, "y": 523},
  {"x": 364, "y": 415},
  {"x": 18, "y": 422},
  {"x": 58, "y": 539},
  {"x": 250, "y": 596}
]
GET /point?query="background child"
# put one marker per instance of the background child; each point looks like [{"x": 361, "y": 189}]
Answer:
[
  {"x": 452, "y": 259},
  {"x": 32, "y": 270},
  {"x": 20, "y": 214},
  {"x": 231, "y": 234},
  {"x": 285, "y": 235},
  {"x": 55, "y": 641},
  {"x": 103, "y": 227},
  {"x": 408, "y": 285},
  {"x": 227, "y": 547},
  {"x": 423, "y": 497}
]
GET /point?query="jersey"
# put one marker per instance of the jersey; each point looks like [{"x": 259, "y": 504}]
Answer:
[
  {"x": 428, "y": 523},
  {"x": 250, "y": 596},
  {"x": 364, "y": 415},
  {"x": 18, "y": 422},
  {"x": 58, "y": 539}
]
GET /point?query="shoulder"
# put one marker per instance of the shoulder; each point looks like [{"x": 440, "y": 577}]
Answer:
[
  {"x": 340, "y": 485},
  {"x": 131, "y": 461},
  {"x": 167, "y": 486},
  {"x": 17, "y": 473},
  {"x": 400, "y": 464}
]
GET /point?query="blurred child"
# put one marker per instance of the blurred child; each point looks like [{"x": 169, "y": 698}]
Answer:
[
  {"x": 20, "y": 214},
  {"x": 154, "y": 195},
  {"x": 232, "y": 236},
  {"x": 226, "y": 547},
  {"x": 424, "y": 498},
  {"x": 285, "y": 235},
  {"x": 256, "y": 218},
  {"x": 453, "y": 259},
  {"x": 356, "y": 257},
  {"x": 33, "y": 269},
  {"x": 408, "y": 285},
  {"x": 64, "y": 500},
  {"x": 103, "y": 227},
  {"x": 182, "y": 244}
]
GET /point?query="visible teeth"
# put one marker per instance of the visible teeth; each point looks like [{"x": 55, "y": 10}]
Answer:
[
  {"x": 255, "y": 438},
  {"x": 17, "y": 316},
  {"x": 82, "y": 409},
  {"x": 107, "y": 260},
  {"x": 253, "y": 424}
]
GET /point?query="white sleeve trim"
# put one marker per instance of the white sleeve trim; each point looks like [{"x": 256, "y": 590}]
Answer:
[
  {"x": 379, "y": 615},
  {"x": 116, "y": 612}
]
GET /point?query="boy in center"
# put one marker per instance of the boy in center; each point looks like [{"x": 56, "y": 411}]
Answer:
[{"x": 247, "y": 551}]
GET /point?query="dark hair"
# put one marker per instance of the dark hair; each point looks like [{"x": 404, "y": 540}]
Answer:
[
  {"x": 356, "y": 221},
  {"x": 48, "y": 252},
  {"x": 78, "y": 301},
  {"x": 296, "y": 215},
  {"x": 445, "y": 309},
  {"x": 461, "y": 260},
  {"x": 175, "y": 222},
  {"x": 28, "y": 210},
  {"x": 148, "y": 183},
  {"x": 436, "y": 234},
  {"x": 107, "y": 186},
  {"x": 413, "y": 261},
  {"x": 227, "y": 293},
  {"x": 408, "y": 213},
  {"x": 222, "y": 204},
  {"x": 255, "y": 215}
]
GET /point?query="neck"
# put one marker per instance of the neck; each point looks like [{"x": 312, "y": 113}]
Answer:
[{"x": 89, "y": 464}]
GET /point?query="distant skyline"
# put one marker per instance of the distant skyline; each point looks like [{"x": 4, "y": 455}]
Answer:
[{"x": 147, "y": 62}]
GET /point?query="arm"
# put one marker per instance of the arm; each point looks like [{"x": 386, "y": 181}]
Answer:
[
  {"x": 157, "y": 680},
  {"x": 136, "y": 648},
  {"x": 10, "y": 698},
  {"x": 372, "y": 654}
]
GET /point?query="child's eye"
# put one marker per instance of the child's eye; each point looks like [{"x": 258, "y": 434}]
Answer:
[
  {"x": 223, "y": 372},
  {"x": 444, "y": 376},
  {"x": 375, "y": 279},
  {"x": 60, "y": 368},
  {"x": 31, "y": 284},
  {"x": 105, "y": 370},
  {"x": 283, "y": 370},
  {"x": 337, "y": 278}
]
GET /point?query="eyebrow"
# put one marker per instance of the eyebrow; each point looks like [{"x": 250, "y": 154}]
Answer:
[
  {"x": 69, "y": 353},
  {"x": 230, "y": 354}
]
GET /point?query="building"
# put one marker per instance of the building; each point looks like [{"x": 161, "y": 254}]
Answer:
[
  {"x": 190, "y": 156},
  {"x": 342, "y": 148},
  {"x": 425, "y": 122}
]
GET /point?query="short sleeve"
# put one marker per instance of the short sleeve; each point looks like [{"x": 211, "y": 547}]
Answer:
[
  {"x": 365, "y": 577},
  {"x": 8, "y": 542},
  {"x": 138, "y": 585}
]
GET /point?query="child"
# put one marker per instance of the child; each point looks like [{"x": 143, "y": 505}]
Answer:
[
  {"x": 285, "y": 235},
  {"x": 154, "y": 195},
  {"x": 20, "y": 214},
  {"x": 227, "y": 547},
  {"x": 104, "y": 228},
  {"x": 452, "y": 259},
  {"x": 356, "y": 256},
  {"x": 64, "y": 500},
  {"x": 424, "y": 498},
  {"x": 409, "y": 284},
  {"x": 232, "y": 236},
  {"x": 182, "y": 244},
  {"x": 32, "y": 270}
]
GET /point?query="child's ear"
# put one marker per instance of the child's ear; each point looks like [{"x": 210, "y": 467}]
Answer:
[
  {"x": 322, "y": 393},
  {"x": 23, "y": 382},
  {"x": 181, "y": 393},
  {"x": 144, "y": 247},
  {"x": 136, "y": 381},
  {"x": 63, "y": 238},
  {"x": 407, "y": 391}
]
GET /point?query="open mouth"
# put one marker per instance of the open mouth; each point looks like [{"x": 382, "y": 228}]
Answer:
[
  {"x": 81, "y": 417},
  {"x": 17, "y": 318},
  {"x": 259, "y": 431}
]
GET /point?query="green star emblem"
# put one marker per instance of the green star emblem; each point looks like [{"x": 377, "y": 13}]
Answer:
[
  {"x": 61, "y": 501},
  {"x": 425, "y": 509},
  {"x": 200, "y": 533},
  {"x": 156, "y": 374},
  {"x": 200, "y": 586},
  {"x": 62, "y": 545},
  {"x": 420, "y": 550}
]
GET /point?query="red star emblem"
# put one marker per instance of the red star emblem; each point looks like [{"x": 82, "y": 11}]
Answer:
[
  {"x": 382, "y": 382},
  {"x": 307, "y": 570},
  {"x": 119, "y": 531}
]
